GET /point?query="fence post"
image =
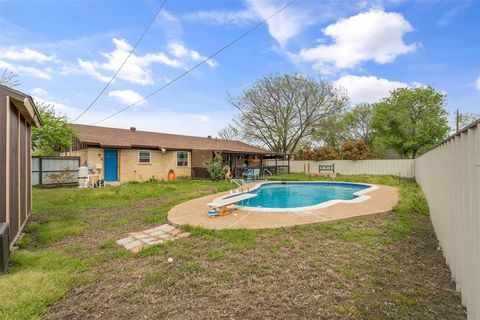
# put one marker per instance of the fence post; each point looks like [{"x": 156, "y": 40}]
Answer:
[{"x": 40, "y": 174}]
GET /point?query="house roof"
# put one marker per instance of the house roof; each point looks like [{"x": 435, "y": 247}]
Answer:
[{"x": 125, "y": 138}]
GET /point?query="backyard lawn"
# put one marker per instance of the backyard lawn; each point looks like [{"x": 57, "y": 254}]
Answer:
[{"x": 69, "y": 266}]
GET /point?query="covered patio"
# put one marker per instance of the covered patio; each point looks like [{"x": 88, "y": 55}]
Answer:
[{"x": 268, "y": 164}]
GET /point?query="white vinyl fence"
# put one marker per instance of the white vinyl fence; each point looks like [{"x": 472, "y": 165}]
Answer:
[
  {"x": 404, "y": 167},
  {"x": 450, "y": 178}
]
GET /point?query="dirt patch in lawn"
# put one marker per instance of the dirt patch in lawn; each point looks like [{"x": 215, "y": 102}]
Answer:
[{"x": 386, "y": 267}]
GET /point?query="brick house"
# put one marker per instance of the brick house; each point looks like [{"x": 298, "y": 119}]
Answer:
[{"x": 122, "y": 155}]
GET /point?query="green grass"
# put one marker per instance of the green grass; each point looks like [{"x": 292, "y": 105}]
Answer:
[
  {"x": 37, "y": 279},
  {"x": 58, "y": 211},
  {"x": 71, "y": 242}
]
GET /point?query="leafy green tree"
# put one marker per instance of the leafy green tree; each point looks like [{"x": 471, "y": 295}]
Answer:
[
  {"x": 358, "y": 123},
  {"x": 55, "y": 134},
  {"x": 330, "y": 131},
  {"x": 216, "y": 168},
  {"x": 411, "y": 120}
]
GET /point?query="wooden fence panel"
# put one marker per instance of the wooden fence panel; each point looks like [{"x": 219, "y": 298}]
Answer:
[{"x": 450, "y": 178}]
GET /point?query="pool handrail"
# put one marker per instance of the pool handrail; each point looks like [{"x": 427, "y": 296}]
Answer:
[
  {"x": 269, "y": 172},
  {"x": 240, "y": 183}
]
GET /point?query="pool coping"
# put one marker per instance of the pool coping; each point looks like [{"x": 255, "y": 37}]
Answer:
[
  {"x": 361, "y": 196},
  {"x": 194, "y": 212}
]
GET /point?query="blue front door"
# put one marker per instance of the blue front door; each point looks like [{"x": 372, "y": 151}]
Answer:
[{"x": 111, "y": 164}]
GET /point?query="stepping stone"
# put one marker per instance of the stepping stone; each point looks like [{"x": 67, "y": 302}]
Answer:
[
  {"x": 125, "y": 240},
  {"x": 165, "y": 228},
  {"x": 157, "y": 233},
  {"x": 148, "y": 240},
  {"x": 139, "y": 235},
  {"x": 155, "y": 242},
  {"x": 138, "y": 248},
  {"x": 133, "y": 244}
]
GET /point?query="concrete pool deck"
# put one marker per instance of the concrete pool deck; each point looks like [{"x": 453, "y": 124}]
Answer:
[{"x": 194, "y": 212}]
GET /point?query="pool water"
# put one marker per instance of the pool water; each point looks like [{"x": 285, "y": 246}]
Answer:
[{"x": 298, "y": 194}]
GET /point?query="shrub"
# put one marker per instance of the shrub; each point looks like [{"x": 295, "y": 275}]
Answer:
[
  {"x": 304, "y": 154},
  {"x": 216, "y": 168},
  {"x": 325, "y": 153},
  {"x": 356, "y": 150}
]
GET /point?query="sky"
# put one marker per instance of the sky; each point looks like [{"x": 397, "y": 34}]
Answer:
[{"x": 64, "y": 53}]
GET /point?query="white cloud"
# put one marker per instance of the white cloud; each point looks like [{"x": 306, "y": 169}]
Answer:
[
  {"x": 452, "y": 13},
  {"x": 181, "y": 52},
  {"x": 22, "y": 70},
  {"x": 241, "y": 17},
  {"x": 170, "y": 24},
  {"x": 286, "y": 24},
  {"x": 127, "y": 97},
  {"x": 367, "y": 89},
  {"x": 137, "y": 69},
  {"x": 25, "y": 54},
  {"x": 90, "y": 67},
  {"x": 477, "y": 83},
  {"x": 39, "y": 92},
  {"x": 374, "y": 35}
]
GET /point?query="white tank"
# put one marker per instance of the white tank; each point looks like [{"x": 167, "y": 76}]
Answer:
[{"x": 83, "y": 177}]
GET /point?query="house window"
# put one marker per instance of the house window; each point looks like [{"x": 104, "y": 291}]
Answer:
[
  {"x": 144, "y": 156},
  {"x": 182, "y": 159}
]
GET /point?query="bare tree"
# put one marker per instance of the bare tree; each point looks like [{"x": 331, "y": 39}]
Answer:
[
  {"x": 9, "y": 79},
  {"x": 464, "y": 119},
  {"x": 279, "y": 111},
  {"x": 229, "y": 133}
]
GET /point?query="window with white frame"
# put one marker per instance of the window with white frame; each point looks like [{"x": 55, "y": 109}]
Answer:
[
  {"x": 182, "y": 159},
  {"x": 144, "y": 156}
]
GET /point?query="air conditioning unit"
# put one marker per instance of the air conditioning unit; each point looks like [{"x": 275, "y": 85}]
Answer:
[{"x": 4, "y": 247}]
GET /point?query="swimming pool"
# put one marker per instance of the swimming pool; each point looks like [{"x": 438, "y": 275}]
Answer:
[{"x": 292, "y": 196}]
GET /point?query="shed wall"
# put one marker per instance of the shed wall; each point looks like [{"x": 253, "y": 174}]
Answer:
[{"x": 15, "y": 162}]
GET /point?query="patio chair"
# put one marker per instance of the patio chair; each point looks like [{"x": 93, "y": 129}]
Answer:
[
  {"x": 256, "y": 174},
  {"x": 247, "y": 174}
]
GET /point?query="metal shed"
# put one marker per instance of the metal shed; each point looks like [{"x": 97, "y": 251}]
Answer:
[{"x": 17, "y": 116}]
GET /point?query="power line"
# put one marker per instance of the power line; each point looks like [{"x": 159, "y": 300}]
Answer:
[
  {"x": 200, "y": 63},
  {"x": 125, "y": 61}
]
